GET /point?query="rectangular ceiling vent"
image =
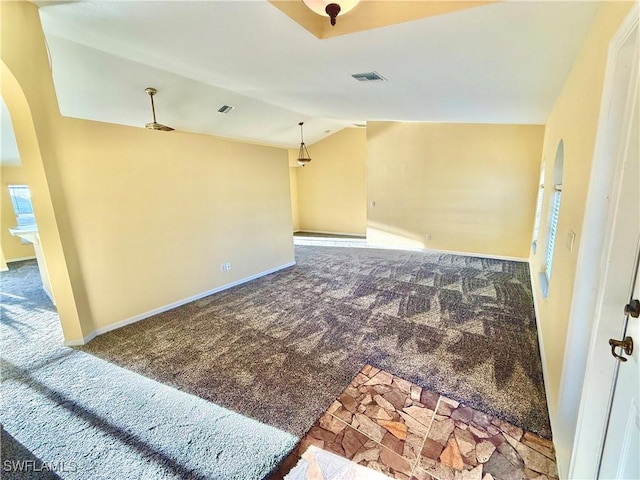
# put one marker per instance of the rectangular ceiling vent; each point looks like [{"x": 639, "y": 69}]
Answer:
[
  {"x": 369, "y": 77},
  {"x": 225, "y": 109}
]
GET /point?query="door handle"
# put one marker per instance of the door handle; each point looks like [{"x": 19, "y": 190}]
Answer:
[{"x": 626, "y": 345}]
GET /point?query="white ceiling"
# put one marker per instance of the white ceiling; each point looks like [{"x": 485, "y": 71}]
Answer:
[{"x": 499, "y": 63}]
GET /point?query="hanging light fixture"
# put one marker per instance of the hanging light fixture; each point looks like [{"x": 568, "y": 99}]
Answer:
[
  {"x": 155, "y": 125},
  {"x": 331, "y": 8},
  {"x": 303, "y": 154}
]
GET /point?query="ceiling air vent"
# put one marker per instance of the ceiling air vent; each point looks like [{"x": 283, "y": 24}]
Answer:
[
  {"x": 225, "y": 109},
  {"x": 369, "y": 77}
]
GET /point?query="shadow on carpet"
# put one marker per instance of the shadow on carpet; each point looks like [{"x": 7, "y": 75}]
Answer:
[
  {"x": 90, "y": 419},
  {"x": 22, "y": 464},
  {"x": 281, "y": 348}
]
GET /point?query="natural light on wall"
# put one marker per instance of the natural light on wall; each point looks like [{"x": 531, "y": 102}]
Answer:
[
  {"x": 21, "y": 201},
  {"x": 536, "y": 225},
  {"x": 381, "y": 235}
]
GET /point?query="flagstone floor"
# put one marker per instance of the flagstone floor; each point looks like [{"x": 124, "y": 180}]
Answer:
[{"x": 392, "y": 426}]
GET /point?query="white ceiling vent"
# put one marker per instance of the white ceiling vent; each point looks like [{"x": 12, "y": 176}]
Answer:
[
  {"x": 225, "y": 109},
  {"x": 369, "y": 77}
]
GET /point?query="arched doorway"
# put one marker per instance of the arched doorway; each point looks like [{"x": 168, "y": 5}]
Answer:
[{"x": 53, "y": 256}]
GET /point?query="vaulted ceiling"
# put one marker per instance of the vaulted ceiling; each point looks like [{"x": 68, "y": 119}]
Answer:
[{"x": 500, "y": 62}]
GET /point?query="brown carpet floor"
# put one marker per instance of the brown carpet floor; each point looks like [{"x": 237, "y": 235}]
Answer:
[{"x": 281, "y": 348}]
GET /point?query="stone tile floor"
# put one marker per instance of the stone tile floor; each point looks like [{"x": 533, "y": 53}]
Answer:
[
  {"x": 320, "y": 464},
  {"x": 392, "y": 426}
]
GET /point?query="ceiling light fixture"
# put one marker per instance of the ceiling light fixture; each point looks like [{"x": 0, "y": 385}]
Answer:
[
  {"x": 331, "y": 8},
  {"x": 303, "y": 154},
  {"x": 155, "y": 125}
]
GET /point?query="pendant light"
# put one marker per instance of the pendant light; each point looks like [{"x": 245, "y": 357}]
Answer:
[
  {"x": 331, "y": 8},
  {"x": 303, "y": 154}
]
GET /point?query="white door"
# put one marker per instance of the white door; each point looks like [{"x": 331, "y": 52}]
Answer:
[{"x": 621, "y": 453}]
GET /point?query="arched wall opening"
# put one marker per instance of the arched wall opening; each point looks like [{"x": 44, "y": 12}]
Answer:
[
  {"x": 553, "y": 216},
  {"x": 51, "y": 244}
]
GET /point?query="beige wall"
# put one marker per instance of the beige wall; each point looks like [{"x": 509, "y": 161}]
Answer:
[
  {"x": 332, "y": 193},
  {"x": 155, "y": 214},
  {"x": 472, "y": 187},
  {"x": 12, "y": 247},
  {"x": 133, "y": 219},
  {"x": 574, "y": 120},
  {"x": 293, "y": 188}
]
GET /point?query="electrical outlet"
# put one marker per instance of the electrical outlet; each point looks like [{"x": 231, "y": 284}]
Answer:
[
  {"x": 223, "y": 267},
  {"x": 228, "y": 266},
  {"x": 427, "y": 236}
]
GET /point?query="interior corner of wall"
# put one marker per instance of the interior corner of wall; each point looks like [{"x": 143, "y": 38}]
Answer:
[
  {"x": 3, "y": 261},
  {"x": 292, "y": 154}
]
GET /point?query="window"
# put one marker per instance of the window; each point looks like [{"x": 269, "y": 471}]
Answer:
[
  {"x": 21, "y": 201},
  {"x": 536, "y": 225},
  {"x": 553, "y": 218},
  {"x": 553, "y": 228}
]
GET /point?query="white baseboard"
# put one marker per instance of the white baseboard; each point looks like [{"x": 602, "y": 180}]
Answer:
[
  {"x": 480, "y": 255},
  {"x": 22, "y": 259},
  {"x": 6, "y": 268},
  {"x": 171, "y": 306},
  {"x": 362, "y": 243},
  {"x": 450, "y": 252},
  {"x": 541, "y": 347},
  {"x": 324, "y": 232}
]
